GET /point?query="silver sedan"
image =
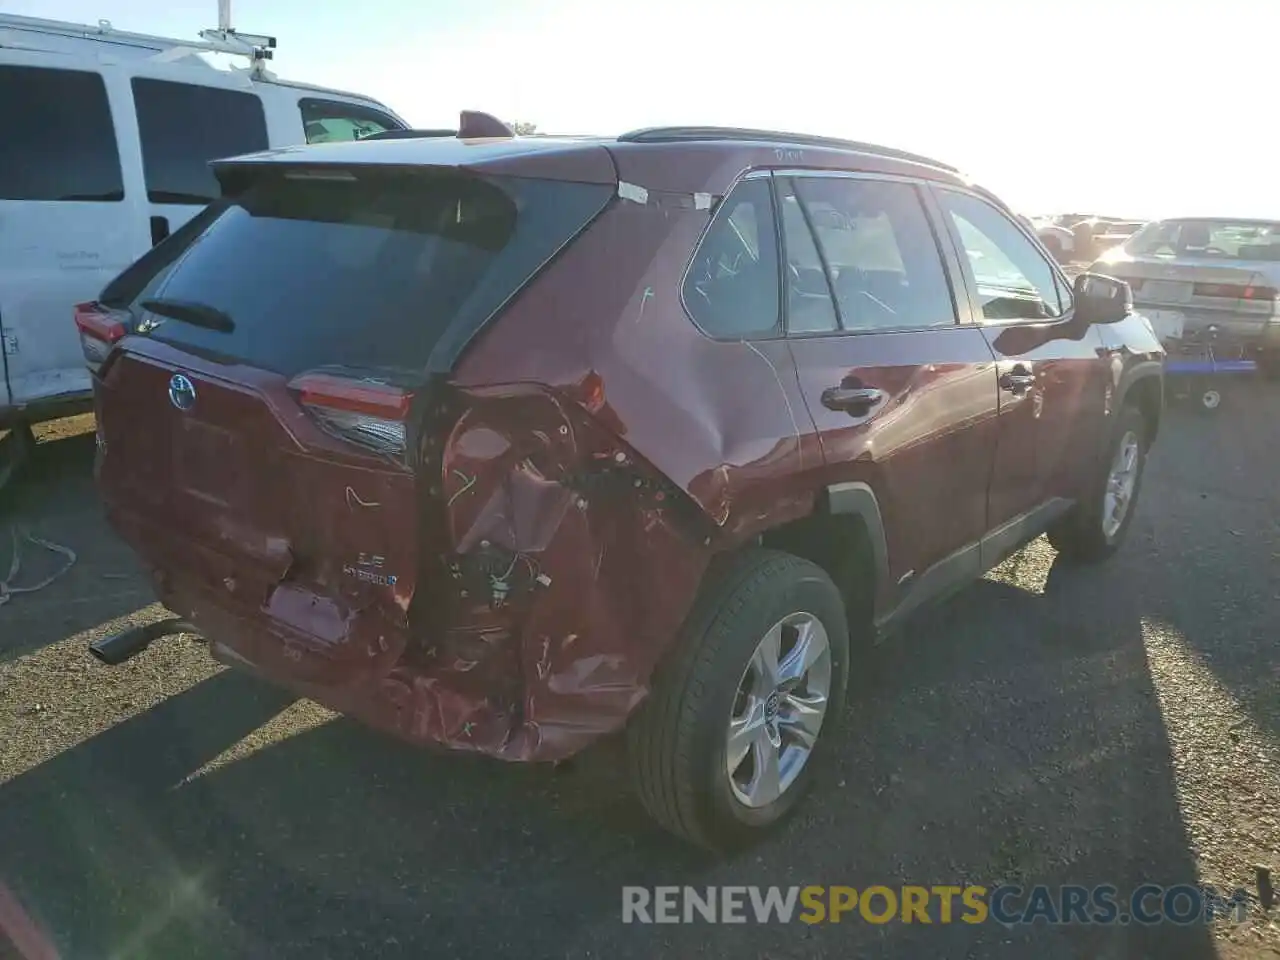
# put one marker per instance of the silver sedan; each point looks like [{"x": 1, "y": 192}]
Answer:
[{"x": 1206, "y": 279}]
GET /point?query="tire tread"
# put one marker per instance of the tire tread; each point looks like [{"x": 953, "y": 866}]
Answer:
[{"x": 661, "y": 736}]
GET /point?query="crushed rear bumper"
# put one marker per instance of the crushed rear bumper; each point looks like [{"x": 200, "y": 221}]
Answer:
[{"x": 541, "y": 686}]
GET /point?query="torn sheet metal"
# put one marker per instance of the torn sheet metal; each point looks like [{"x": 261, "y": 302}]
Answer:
[
  {"x": 572, "y": 565},
  {"x": 633, "y": 192}
]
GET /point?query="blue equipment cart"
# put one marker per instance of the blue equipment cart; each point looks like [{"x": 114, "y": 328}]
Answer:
[{"x": 1196, "y": 359}]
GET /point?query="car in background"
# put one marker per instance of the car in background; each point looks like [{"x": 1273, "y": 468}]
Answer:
[
  {"x": 1057, "y": 239},
  {"x": 1203, "y": 278},
  {"x": 1112, "y": 233},
  {"x": 1078, "y": 238},
  {"x": 107, "y": 138},
  {"x": 508, "y": 443}
]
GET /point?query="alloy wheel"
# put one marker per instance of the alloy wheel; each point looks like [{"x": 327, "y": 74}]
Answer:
[{"x": 778, "y": 709}]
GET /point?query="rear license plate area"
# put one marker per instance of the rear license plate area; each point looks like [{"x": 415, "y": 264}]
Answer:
[
  {"x": 204, "y": 462},
  {"x": 1166, "y": 291}
]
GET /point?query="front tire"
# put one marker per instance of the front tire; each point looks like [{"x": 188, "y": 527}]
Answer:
[
  {"x": 730, "y": 738},
  {"x": 1095, "y": 527}
]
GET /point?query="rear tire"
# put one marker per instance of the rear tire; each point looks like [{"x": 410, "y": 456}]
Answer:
[
  {"x": 1090, "y": 532},
  {"x": 707, "y": 701}
]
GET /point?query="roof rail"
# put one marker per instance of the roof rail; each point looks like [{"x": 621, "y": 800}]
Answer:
[
  {"x": 221, "y": 40},
  {"x": 689, "y": 134}
]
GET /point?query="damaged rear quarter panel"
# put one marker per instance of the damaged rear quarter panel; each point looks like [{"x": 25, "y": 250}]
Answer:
[
  {"x": 573, "y": 563},
  {"x": 716, "y": 446}
]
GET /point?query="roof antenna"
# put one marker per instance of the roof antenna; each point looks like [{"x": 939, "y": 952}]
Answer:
[
  {"x": 474, "y": 124},
  {"x": 258, "y": 48}
]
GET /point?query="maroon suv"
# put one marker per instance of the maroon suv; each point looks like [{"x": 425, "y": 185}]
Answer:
[{"x": 506, "y": 443}]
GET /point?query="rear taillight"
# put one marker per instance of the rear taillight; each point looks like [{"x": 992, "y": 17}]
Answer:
[
  {"x": 367, "y": 412},
  {"x": 1235, "y": 291},
  {"x": 99, "y": 330}
]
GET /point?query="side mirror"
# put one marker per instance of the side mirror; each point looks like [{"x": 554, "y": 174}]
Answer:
[{"x": 1102, "y": 299}]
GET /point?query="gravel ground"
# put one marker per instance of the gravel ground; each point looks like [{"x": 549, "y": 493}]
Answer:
[{"x": 1051, "y": 725}]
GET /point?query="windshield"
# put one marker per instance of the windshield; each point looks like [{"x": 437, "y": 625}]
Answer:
[
  {"x": 1210, "y": 239},
  {"x": 366, "y": 270}
]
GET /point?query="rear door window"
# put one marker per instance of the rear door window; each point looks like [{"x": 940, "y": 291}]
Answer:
[
  {"x": 732, "y": 287},
  {"x": 365, "y": 269},
  {"x": 810, "y": 308},
  {"x": 332, "y": 121},
  {"x": 183, "y": 127},
  {"x": 879, "y": 252},
  {"x": 57, "y": 141}
]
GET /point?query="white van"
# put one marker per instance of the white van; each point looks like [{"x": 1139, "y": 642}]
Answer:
[{"x": 105, "y": 148}]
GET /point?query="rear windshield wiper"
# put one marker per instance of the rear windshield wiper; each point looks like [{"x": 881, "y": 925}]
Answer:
[{"x": 189, "y": 311}]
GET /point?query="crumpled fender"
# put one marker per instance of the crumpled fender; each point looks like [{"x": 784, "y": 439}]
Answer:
[{"x": 571, "y": 568}]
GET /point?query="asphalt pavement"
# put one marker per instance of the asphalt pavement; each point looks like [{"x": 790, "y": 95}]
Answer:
[{"x": 1118, "y": 724}]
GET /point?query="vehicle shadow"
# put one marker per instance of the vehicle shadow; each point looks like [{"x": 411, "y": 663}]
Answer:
[
  {"x": 54, "y": 498},
  {"x": 1010, "y": 736},
  {"x": 1210, "y": 568}
]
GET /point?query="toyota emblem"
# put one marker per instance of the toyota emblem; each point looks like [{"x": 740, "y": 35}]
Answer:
[{"x": 182, "y": 392}]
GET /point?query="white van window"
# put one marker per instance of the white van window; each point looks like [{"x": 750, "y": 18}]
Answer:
[
  {"x": 332, "y": 121},
  {"x": 59, "y": 141},
  {"x": 183, "y": 127}
]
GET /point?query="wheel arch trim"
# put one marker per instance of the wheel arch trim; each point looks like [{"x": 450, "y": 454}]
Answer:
[
  {"x": 1141, "y": 372},
  {"x": 856, "y": 498}
]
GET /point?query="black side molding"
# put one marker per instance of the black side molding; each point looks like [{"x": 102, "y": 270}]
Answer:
[{"x": 858, "y": 499}]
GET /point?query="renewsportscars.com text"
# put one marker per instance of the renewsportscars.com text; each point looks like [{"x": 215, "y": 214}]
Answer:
[{"x": 1006, "y": 904}]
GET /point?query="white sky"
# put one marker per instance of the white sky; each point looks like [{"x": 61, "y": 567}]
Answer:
[{"x": 1131, "y": 108}]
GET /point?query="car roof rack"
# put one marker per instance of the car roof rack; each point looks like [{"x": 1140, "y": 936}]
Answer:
[
  {"x": 691, "y": 134},
  {"x": 223, "y": 39}
]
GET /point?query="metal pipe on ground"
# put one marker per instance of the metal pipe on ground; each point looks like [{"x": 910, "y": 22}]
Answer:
[{"x": 117, "y": 648}]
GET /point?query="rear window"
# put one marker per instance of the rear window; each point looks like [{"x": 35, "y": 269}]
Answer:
[
  {"x": 1208, "y": 239},
  {"x": 183, "y": 127},
  {"x": 58, "y": 139},
  {"x": 332, "y": 121},
  {"x": 368, "y": 271}
]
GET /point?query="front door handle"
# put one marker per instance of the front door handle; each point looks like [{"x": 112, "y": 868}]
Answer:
[
  {"x": 855, "y": 401},
  {"x": 1018, "y": 380}
]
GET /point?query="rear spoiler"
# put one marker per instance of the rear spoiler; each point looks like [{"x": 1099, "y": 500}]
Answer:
[
  {"x": 481, "y": 145},
  {"x": 472, "y": 124}
]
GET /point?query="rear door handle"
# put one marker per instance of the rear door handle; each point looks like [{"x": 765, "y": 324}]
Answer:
[{"x": 853, "y": 400}]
